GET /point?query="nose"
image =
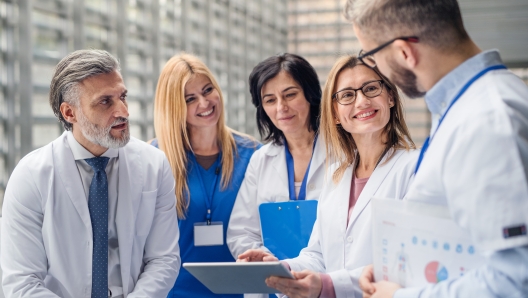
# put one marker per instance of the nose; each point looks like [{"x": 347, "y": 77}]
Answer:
[
  {"x": 121, "y": 109},
  {"x": 361, "y": 100},
  {"x": 203, "y": 102},
  {"x": 282, "y": 104}
]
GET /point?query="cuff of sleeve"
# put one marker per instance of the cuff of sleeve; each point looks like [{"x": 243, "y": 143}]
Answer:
[
  {"x": 327, "y": 291},
  {"x": 285, "y": 264},
  {"x": 407, "y": 293}
]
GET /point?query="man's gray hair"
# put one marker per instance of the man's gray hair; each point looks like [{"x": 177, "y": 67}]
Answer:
[
  {"x": 72, "y": 70},
  {"x": 436, "y": 22}
]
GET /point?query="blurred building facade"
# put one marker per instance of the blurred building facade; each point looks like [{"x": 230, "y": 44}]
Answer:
[
  {"x": 230, "y": 36},
  {"x": 319, "y": 32}
]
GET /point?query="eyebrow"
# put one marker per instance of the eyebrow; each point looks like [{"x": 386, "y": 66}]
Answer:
[
  {"x": 204, "y": 87},
  {"x": 362, "y": 85},
  {"x": 108, "y": 96},
  {"x": 287, "y": 89}
]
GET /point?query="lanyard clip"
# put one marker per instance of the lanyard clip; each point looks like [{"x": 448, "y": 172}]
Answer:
[{"x": 208, "y": 217}]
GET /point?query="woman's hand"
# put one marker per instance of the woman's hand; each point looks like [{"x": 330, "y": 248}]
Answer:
[
  {"x": 366, "y": 281},
  {"x": 308, "y": 284},
  {"x": 256, "y": 255}
]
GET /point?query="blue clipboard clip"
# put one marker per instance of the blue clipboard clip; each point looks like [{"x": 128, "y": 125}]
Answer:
[{"x": 286, "y": 226}]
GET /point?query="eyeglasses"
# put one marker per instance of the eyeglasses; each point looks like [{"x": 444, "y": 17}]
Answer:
[
  {"x": 348, "y": 95},
  {"x": 368, "y": 57}
]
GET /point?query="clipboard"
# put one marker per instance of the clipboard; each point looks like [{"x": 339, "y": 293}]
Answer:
[
  {"x": 286, "y": 226},
  {"x": 237, "y": 278}
]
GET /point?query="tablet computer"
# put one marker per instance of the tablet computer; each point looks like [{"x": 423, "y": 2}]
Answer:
[{"x": 237, "y": 278}]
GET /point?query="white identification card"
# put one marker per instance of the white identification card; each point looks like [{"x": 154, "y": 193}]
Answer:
[{"x": 208, "y": 235}]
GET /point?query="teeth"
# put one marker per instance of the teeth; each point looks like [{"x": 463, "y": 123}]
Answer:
[
  {"x": 365, "y": 114},
  {"x": 206, "y": 113}
]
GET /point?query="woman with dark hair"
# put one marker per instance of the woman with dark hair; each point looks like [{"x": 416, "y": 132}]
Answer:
[{"x": 286, "y": 91}]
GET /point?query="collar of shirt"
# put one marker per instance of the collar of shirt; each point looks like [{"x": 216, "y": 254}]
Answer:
[
  {"x": 444, "y": 91},
  {"x": 79, "y": 152}
]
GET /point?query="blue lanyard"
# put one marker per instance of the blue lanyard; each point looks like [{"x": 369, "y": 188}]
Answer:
[
  {"x": 291, "y": 173},
  {"x": 466, "y": 86},
  {"x": 208, "y": 199}
]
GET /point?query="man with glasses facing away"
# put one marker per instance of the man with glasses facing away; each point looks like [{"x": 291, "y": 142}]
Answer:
[
  {"x": 476, "y": 158},
  {"x": 92, "y": 214}
]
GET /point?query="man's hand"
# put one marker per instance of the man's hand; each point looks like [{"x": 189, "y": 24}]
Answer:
[
  {"x": 307, "y": 284},
  {"x": 371, "y": 289},
  {"x": 256, "y": 255}
]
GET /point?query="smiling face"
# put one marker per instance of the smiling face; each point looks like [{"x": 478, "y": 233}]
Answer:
[
  {"x": 203, "y": 103},
  {"x": 100, "y": 120},
  {"x": 365, "y": 115},
  {"x": 284, "y": 102}
]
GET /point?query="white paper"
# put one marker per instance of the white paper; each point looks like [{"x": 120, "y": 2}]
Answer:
[
  {"x": 208, "y": 235},
  {"x": 415, "y": 244}
]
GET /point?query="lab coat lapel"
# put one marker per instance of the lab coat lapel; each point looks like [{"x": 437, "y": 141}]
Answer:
[
  {"x": 374, "y": 182},
  {"x": 71, "y": 179},
  {"x": 342, "y": 195},
  {"x": 278, "y": 162},
  {"x": 318, "y": 158},
  {"x": 130, "y": 187}
]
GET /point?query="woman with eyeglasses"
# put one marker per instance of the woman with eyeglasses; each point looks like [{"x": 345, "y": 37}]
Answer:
[
  {"x": 208, "y": 160},
  {"x": 363, "y": 126}
]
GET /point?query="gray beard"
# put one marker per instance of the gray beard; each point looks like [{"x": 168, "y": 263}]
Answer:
[
  {"x": 405, "y": 80},
  {"x": 101, "y": 135}
]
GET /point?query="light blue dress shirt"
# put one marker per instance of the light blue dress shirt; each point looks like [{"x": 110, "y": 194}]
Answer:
[{"x": 477, "y": 165}]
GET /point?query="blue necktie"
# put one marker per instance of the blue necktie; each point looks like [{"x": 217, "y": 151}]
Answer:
[{"x": 98, "y": 207}]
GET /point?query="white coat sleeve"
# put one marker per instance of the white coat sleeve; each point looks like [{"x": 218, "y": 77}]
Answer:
[
  {"x": 162, "y": 254},
  {"x": 243, "y": 231},
  {"x": 23, "y": 257},
  {"x": 504, "y": 275}
]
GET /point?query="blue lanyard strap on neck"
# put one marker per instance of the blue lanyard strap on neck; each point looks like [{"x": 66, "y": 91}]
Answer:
[
  {"x": 460, "y": 93},
  {"x": 208, "y": 198},
  {"x": 291, "y": 173}
]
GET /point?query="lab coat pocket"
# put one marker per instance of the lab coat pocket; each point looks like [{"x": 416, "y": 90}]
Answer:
[{"x": 145, "y": 213}]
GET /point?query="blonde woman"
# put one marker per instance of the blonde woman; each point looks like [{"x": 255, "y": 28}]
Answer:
[
  {"x": 208, "y": 160},
  {"x": 364, "y": 131}
]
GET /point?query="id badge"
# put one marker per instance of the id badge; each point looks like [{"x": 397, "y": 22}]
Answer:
[{"x": 208, "y": 235}]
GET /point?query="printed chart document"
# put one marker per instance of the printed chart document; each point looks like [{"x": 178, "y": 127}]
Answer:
[{"x": 415, "y": 243}]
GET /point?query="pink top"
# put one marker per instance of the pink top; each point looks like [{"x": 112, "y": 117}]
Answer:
[{"x": 356, "y": 188}]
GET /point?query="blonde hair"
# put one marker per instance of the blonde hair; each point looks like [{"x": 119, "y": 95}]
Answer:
[
  {"x": 340, "y": 145},
  {"x": 170, "y": 124}
]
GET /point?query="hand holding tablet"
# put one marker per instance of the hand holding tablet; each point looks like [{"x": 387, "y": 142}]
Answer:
[{"x": 237, "y": 277}]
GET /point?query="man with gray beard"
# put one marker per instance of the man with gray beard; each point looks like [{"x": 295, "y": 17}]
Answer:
[{"x": 92, "y": 214}]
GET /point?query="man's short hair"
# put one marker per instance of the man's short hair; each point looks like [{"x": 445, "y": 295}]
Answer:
[
  {"x": 72, "y": 70},
  {"x": 436, "y": 22}
]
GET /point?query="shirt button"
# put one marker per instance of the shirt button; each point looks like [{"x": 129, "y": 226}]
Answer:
[
  {"x": 311, "y": 186},
  {"x": 349, "y": 239},
  {"x": 443, "y": 104}
]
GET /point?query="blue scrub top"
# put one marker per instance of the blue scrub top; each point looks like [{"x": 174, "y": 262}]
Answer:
[{"x": 186, "y": 285}]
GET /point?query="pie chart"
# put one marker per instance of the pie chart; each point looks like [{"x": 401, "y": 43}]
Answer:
[{"x": 435, "y": 272}]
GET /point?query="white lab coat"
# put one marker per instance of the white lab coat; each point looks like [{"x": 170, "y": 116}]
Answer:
[
  {"x": 266, "y": 180},
  {"x": 46, "y": 238},
  {"x": 474, "y": 163},
  {"x": 341, "y": 249}
]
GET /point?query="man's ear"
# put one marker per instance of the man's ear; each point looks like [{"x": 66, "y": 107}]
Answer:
[
  {"x": 407, "y": 53},
  {"x": 68, "y": 112}
]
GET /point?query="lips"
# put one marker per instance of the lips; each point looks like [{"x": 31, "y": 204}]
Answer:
[
  {"x": 120, "y": 126},
  {"x": 286, "y": 118},
  {"x": 206, "y": 113},
  {"x": 365, "y": 115}
]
